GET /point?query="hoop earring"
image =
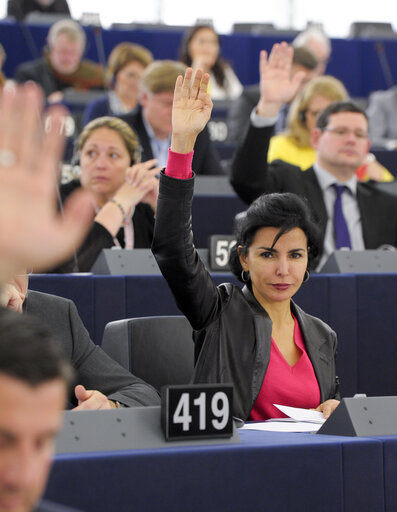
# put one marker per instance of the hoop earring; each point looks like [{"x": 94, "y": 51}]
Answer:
[
  {"x": 307, "y": 276},
  {"x": 245, "y": 276}
]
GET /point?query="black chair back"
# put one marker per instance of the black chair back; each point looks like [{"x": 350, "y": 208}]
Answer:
[{"x": 157, "y": 349}]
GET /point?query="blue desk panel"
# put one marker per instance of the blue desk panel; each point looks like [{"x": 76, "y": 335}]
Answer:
[
  {"x": 390, "y": 472},
  {"x": 265, "y": 472},
  {"x": 360, "y": 308}
]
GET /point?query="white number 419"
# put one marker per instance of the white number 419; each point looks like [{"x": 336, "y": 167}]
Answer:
[{"x": 219, "y": 410}]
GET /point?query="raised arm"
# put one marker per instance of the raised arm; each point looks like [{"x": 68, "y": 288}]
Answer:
[
  {"x": 191, "y": 110},
  {"x": 192, "y": 286},
  {"x": 276, "y": 85},
  {"x": 32, "y": 233},
  {"x": 250, "y": 176}
]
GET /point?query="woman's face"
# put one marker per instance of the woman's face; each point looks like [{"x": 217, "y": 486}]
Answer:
[
  {"x": 204, "y": 47},
  {"x": 276, "y": 272},
  {"x": 104, "y": 160},
  {"x": 314, "y": 107},
  {"x": 128, "y": 80}
]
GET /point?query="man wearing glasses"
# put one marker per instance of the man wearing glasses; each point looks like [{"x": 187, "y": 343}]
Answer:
[{"x": 350, "y": 214}]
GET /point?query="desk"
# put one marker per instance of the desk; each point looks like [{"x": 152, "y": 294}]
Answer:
[{"x": 267, "y": 471}]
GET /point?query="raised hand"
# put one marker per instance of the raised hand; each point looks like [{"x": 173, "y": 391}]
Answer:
[
  {"x": 276, "y": 85},
  {"x": 32, "y": 232},
  {"x": 191, "y": 110}
]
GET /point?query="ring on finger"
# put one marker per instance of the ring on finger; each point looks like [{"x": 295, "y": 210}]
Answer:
[{"x": 7, "y": 158}]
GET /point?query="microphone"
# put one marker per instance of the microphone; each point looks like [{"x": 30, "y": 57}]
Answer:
[
  {"x": 76, "y": 267},
  {"x": 384, "y": 64},
  {"x": 30, "y": 42}
]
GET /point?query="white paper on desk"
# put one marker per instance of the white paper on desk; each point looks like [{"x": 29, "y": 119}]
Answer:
[
  {"x": 282, "y": 426},
  {"x": 297, "y": 414}
]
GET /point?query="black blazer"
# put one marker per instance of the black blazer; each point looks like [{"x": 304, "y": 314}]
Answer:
[
  {"x": 95, "y": 369},
  {"x": 205, "y": 158},
  {"x": 98, "y": 237},
  {"x": 252, "y": 176},
  {"x": 232, "y": 330}
]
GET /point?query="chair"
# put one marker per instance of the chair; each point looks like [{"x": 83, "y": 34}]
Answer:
[
  {"x": 157, "y": 349},
  {"x": 366, "y": 29}
]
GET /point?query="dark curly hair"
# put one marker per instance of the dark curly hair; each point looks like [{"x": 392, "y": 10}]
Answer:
[
  {"x": 285, "y": 211},
  {"x": 218, "y": 68}
]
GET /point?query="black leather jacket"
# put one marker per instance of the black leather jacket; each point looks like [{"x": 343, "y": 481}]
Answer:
[{"x": 232, "y": 330}]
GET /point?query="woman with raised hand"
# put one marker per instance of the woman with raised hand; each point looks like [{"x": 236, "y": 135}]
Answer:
[{"x": 254, "y": 337}]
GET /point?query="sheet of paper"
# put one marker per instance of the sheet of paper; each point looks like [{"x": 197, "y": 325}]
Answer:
[
  {"x": 298, "y": 414},
  {"x": 282, "y": 426}
]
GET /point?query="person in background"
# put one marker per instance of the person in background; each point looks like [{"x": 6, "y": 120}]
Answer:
[
  {"x": 19, "y": 9},
  {"x": 125, "y": 67},
  {"x": 102, "y": 383},
  {"x": 304, "y": 63},
  {"x": 200, "y": 48},
  {"x": 34, "y": 381},
  {"x": 382, "y": 115},
  {"x": 249, "y": 337},
  {"x": 62, "y": 65},
  {"x": 152, "y": 120},
  {"x": 123, "y": 189},
  {"x": 294, "y": 145},
  {"x": 316, "y": 40},
  {"x": 349, "y": 213}
]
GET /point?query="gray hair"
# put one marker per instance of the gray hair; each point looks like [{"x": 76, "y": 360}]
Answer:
[
  {"x": 68, "y": 27},
  {"x": 313, "y": 32}
]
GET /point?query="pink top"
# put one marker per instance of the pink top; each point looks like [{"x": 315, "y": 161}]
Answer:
[
  {"x": 179, "y": 165},
  {"x": 283, "y": 384}
]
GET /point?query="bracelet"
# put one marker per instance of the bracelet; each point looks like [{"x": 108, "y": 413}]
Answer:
[{"x": 121, "y": 207}]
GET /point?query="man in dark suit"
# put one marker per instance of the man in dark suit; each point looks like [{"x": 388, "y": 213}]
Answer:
[
  {"x": 341, "y": 140},
  {"x": 102, "y": 383},
  {"x": 152, "y": 119},
  {"x": 34, "y": 377}
]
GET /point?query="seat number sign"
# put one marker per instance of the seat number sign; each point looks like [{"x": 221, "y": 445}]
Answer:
[{"x": 197, "y": 411}]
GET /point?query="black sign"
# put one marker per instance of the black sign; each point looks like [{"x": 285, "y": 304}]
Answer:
[
  {"x": 219, "y": 251},
  {"x": 197, "y": 411}
]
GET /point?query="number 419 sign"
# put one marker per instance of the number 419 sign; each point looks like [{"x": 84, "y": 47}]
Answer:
[{"x": 197, "y": 411}]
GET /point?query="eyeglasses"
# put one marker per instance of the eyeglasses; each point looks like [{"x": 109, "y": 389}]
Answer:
[
  {"x": 344, "y": 132},
  {"x": 313, "y": 113}
]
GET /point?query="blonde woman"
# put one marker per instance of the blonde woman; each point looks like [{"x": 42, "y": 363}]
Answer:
[
  {"x": 124, "y": 191},
  {"x": 294, "y": 145}
]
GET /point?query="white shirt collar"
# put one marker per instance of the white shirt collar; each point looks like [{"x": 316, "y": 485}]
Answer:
[{"x": 326, "y": 179}]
